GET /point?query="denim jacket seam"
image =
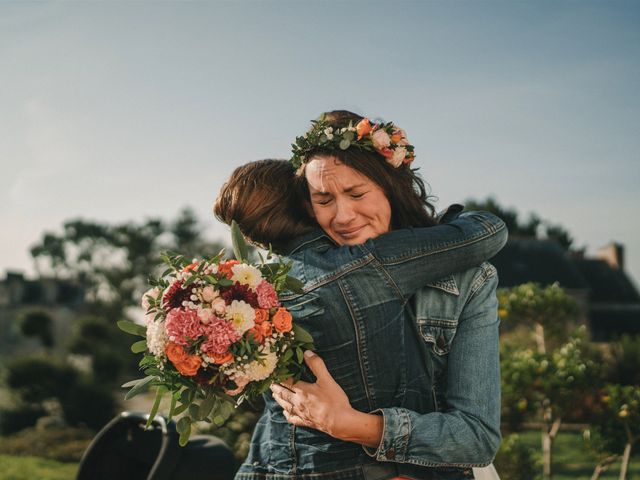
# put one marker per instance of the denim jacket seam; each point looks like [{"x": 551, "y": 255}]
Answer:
[
  {"x": 352, "y": 314},
  {"x": 444, "y": 248},
  {"x": 487, "y": 271}
]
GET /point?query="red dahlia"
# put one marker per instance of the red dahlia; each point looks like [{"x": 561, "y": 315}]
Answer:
[
  {"x": 237, "y": 291},
  {"x": 175, "y": 295}
]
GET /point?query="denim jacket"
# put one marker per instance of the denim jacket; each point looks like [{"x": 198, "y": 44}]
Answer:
[
  {"x": 356, "y": 305},
  {"x": 456, "y": 317}
]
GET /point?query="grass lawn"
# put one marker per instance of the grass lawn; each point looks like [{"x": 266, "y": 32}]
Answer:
[
  {"x": 572, "y": 460},
  {"x": 32, "y": 468}
]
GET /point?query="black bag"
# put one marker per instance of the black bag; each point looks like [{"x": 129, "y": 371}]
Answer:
[{"x": 124, "y": 450}]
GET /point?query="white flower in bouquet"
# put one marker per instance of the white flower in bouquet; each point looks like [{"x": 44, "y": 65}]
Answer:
[
  {"x": 246, "y": 275},
  {"x": 206, "y": 315},
  {"x": 209, "y": 294},
  {"x": 241, "y": 315},
  {"x": 261, "y": 369},
  {"x": 157, "y": 338},
  {"x": 219, "y": 306}
]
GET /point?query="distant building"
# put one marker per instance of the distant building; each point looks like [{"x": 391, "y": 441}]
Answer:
[
  {"x": 60, "y": 299},
  {"x": 15, "y": 291},
  {"x": 605, "y": 292}
]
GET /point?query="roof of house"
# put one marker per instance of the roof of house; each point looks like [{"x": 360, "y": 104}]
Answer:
[
  {"x": 607, "y": 284},
  {"x": 532, "y": 260}
]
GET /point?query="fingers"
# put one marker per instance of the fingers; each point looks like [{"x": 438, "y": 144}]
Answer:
[
  {"x": 296, "y": 420},
  {"x": 317, "y": 366}
]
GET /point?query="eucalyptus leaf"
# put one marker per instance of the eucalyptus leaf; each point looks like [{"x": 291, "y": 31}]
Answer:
[
  {"x": 349, "y": 135},
  {"x": 218, "y": 420},
  {"x": 139, "y": 347},
  {"x": 184, "y": 436},
  {"x": 344, "y": 144},
  {"x": 132, "y": 328},
  {"x": 194, "y": 411},
  {"x": 206, "y": 406},
  {"x": 183, "y": 424},
  {"x": 240, "y": 249}
]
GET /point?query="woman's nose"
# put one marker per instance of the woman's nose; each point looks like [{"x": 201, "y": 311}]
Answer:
[{"x": 345, "y": 213}]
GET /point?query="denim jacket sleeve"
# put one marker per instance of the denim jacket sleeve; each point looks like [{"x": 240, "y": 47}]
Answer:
[
  {"x": 467, "y": 434},
  {"x": 412, "y": 258}
]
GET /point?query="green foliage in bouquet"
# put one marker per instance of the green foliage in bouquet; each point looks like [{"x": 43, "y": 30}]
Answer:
[{"x": 216, "y": 335}]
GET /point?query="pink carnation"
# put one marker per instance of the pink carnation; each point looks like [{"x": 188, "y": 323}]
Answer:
[
  {"x": 267, "y": 296},
  {"x": 183, "y": 325},
  {"x": 220, "y": 335}
]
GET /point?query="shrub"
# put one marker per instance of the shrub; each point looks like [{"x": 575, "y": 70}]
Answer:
[
  {"x": 624, "y": 366},
  {"x": 38, "y": 324},
  {"x": 515, "y": 460},
  {"x": 18, "y": 418},
  {"x": 38, "y": 378},
  {"x": 88, "y": 404}
]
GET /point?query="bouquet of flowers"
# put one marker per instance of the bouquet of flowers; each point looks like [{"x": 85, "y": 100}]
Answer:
[{"x": 216, "y": 335}]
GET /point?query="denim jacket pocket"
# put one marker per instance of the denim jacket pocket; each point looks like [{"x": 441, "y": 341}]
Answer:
[{"x": 439, "y": 333}]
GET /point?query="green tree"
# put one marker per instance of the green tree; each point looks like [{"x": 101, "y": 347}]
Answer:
[
  {"x": 549, "y": 378},
  {"x": 616, "y": 428},
  {"x": 531, "y": 227},
  {"x": 113, "y": 262}
]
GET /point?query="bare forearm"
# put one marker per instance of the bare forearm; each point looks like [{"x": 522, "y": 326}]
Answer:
[{"x": 358, "y": 427}]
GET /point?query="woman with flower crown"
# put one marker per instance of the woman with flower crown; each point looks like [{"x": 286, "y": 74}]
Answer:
[{"x": 406, "y": 363}]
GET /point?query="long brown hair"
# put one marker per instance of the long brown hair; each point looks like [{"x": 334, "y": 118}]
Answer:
[
  {"x": 403, "y": 187},
  {"x": 260, "y": 196}
]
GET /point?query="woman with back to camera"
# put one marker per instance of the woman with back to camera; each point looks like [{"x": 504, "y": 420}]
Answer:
[{"x": 356, "y": 307}]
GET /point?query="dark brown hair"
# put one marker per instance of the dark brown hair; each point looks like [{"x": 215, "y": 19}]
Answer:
[
  {"x": 405, "y": 190},
  {"x": 261, "y": 198}
]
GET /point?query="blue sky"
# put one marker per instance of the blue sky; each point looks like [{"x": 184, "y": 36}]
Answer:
[{"x": 124, "y": 110}]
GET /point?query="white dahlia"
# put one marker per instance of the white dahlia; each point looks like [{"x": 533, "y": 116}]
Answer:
[
  {"x": 261, "y": 369},
  {"x": 241, "y": 315},
  {"x": 246, "y": 275}
]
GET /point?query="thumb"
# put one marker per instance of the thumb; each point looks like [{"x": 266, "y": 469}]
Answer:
[{"x": 317, "y": 366}]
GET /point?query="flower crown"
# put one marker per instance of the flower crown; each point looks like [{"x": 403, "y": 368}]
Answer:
[{"x": 383, "y": 138}]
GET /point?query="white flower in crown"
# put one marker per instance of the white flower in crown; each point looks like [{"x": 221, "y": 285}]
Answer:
[
  {"x": 246, "y": 275},
  {"x": 241, "y": 315},
  {"x": 329, "y": 132},
  {"x": 399, "y": 155}
]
